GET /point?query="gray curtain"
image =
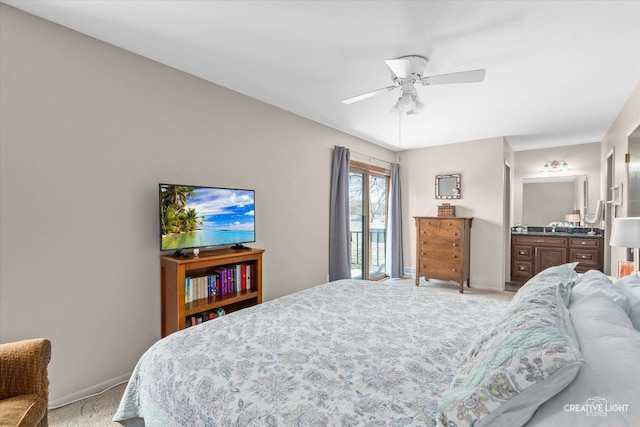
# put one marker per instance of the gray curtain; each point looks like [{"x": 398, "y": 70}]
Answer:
[
  {"x": 339, "y": 237},
  {"x": 395, "y": 262}
]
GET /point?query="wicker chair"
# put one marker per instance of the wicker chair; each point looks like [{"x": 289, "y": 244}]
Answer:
[{"x": 24, "y": 383}]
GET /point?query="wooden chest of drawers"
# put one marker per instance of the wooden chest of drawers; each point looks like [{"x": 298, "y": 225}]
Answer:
[{"x": 442, "y": 249}]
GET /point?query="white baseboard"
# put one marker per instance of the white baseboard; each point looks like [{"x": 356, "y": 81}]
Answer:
[
  {"x": 409, "y": 271},
  {"x": 486, "y": 288},
  {"x": 89, "y": 391}
]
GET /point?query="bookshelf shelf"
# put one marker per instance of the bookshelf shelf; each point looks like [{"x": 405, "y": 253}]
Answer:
[
  {"x": 175, "y": 271},
  {"x": 210, "y": 303}
]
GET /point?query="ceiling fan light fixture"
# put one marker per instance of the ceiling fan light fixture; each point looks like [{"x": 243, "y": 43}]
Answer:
[
  {"x": 409, "y": 70},
  {"x": 419, "y": 107},
  {"x": 406, "y": 103},
  {"x": 409, "y": 105}
]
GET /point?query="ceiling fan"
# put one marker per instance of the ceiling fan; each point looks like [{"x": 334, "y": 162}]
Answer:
[{"x": 408, "y": 70}]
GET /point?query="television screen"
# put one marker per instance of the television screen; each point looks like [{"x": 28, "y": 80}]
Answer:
[{"x": 194, "y": 217}]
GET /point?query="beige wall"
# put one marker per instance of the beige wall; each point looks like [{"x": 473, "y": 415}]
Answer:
[
  {"x": 616, "y": 143},
  {"x": 87, "y": 133},
  {"x": 481, "y": 164}
]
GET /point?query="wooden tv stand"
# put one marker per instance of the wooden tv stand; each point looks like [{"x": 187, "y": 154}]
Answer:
[{"x": 175, "y": 271}]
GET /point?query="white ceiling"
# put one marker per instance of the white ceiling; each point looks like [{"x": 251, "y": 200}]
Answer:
[{"x": 557, "y": 72}]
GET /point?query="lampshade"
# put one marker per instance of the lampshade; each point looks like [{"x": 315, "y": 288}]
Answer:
[
  {"x": 406, "y": 103},
  {"x": 572, "y": 217},
  {"x": 419, "y": 107},
  {"x": 409, "y": 104},
  {"x": 625, "y": 232}
]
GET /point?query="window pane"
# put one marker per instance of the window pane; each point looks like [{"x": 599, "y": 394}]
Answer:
[
  {"x": 356, "y": 223},
  {"x": 377, "y": 225}
]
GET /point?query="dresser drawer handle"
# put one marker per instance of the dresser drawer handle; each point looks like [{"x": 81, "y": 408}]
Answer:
[
  {"x": 584, "y": 257},
  {"x": 539, "y": 241},
  {"x": 455, "y": 244},
  {"x": 454, "y": 270},
  {"x": 584, "y": 243},
  {"x": 521, "y": 268},
  {"x": 455, "y": 256},
  {"x": 522, "y": 252}
]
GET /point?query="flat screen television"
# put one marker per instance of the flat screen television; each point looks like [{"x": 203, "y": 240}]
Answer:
[{"x": 196, "y": 217}]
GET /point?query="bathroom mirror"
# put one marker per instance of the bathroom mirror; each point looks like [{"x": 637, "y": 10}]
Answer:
[
  {"x": 549, "y": 199},
  {"x": 448, "y": 186}
]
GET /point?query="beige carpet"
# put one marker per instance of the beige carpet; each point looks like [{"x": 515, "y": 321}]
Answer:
[
  {"x": 93, "y": 411},
  {"x": 453, "y": 288},
  {"x": 98, "y": 410}
]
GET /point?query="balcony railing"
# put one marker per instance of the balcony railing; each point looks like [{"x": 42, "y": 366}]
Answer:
[{"x": 377, "y": 251}]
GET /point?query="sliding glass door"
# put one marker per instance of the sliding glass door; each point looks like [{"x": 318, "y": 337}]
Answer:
[{"x": 368, "y": 199}]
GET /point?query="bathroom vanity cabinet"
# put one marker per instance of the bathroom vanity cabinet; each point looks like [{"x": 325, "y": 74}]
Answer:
[{"x": 532, "y": 252}]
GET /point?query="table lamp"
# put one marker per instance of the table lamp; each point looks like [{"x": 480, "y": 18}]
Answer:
[
  {"x": 574, "y": 219},
  {"x": 625, "y": 233}
]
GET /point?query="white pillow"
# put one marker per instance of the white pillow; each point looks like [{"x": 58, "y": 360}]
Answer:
[
  {"x": 610, "y": 347},
  {"x": 630, "y": 286},
  {"x": 595, "y": 282}
]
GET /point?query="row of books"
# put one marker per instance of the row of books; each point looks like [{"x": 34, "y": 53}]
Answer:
[
  {"x": 224, "y": 280},
  {"x": 196, "y": 319}
]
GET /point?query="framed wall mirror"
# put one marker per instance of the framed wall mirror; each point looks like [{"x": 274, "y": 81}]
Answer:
[{"x": 448, "y": 186}]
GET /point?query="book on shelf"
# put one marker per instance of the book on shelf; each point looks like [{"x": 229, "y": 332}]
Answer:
[
  {"x": 205, "y": 316},
  {"x": 243, "y": 277},
  {"x": 225, "y": 280},
  {"x": 199, "y": 287}
]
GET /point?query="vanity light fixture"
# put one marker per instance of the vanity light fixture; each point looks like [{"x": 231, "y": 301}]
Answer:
[{"x": 556, "y": 166}]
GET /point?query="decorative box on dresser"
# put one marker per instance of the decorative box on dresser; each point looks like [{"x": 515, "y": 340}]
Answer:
[{"x": 442, "y": 249}]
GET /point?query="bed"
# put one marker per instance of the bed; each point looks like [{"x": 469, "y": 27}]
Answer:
[
  {"x": 359, "y": 353},
  {"x": 349, "y": 352}
]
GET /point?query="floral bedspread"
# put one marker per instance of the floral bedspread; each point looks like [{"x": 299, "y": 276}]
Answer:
[{"x": 345, "y": 353}]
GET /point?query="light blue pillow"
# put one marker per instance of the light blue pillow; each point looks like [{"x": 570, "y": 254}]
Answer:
[
  {"x": 595, "y": 282},
  {"x": 610, "y": 347},
  {"x": 630, "y": 287}
]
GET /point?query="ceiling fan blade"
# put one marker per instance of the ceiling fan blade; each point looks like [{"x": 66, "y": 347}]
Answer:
[
  {"x": 400, "y": 67},
  {"x": 368, "y": 94},
  {"x": 461, "y": 77}
]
